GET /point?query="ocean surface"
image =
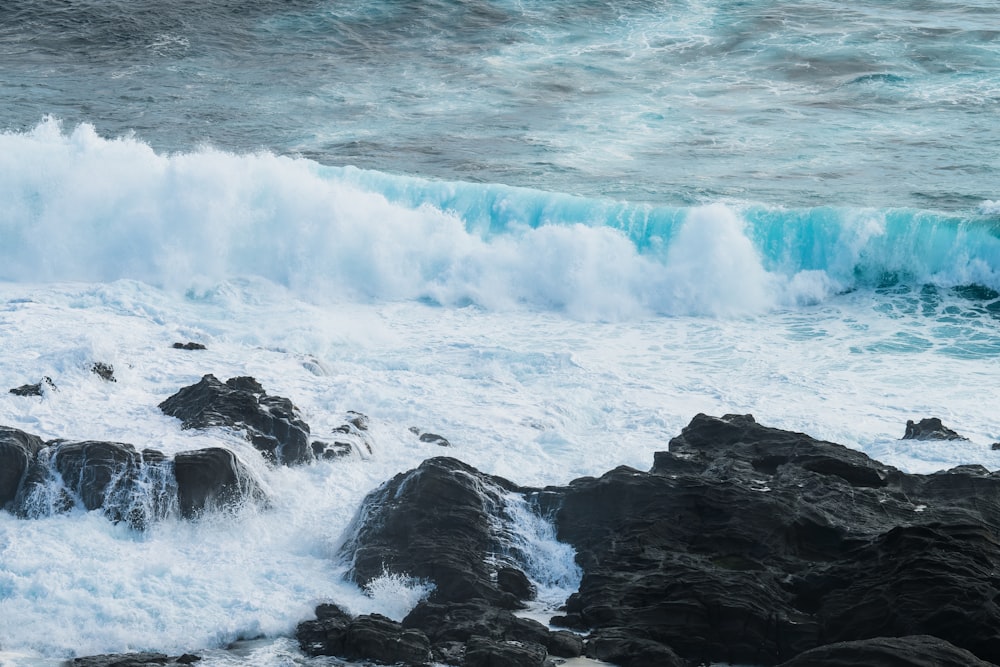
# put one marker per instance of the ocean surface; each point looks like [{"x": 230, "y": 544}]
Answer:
[{"x": 549, "y": 231}]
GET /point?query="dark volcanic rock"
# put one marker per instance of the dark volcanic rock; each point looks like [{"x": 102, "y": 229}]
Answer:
[
  {"x": 910, "y": 651},
  {"x": 748, "y": 544},
  {"x": 435, "y": 439},
  {"x": 188, "y": 346},
  {"x": 134, "y": 660},
  {"x": 109, "y": 476},
  {"x": 271, "y": 423},
  {"x": 514, "y": 581},
  {"x": 17, "y": 451},
  {"x": 36, "y": 389},
  {"x": 213, "y": 479},
  {"x": 437, "y": 523},
  {"x": 484, "y": 652},
  {"x": 460, "y": 621},
  {"x": 370, "y": 637},
  {"x": 104, "y": 371},
  {"x": 930, "y": 429}
]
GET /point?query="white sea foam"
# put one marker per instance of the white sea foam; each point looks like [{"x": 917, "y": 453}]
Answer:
[
  {"x": 533, "y": 396},
  {"x": 81, "y": 207}
]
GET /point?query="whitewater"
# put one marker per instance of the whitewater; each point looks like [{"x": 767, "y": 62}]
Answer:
[{"x": 551, "y": 233}]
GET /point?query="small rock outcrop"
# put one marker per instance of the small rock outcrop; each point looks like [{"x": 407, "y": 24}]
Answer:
[
  {"x": 37, "y": 389},
  {"x": 436, "y": 523},
  {"x": 929, "y": 428},
  {"x": 104, "y": 371},
  {"x": 188, "y": 346},
  {"x": 369, "y": 637},
  {"x": 271, "y": 423}
]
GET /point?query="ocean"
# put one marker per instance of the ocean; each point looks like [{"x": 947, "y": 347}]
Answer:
[{"x": 551, "y": 232}]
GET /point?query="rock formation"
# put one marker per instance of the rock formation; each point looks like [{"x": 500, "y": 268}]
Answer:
[
  {"x": 743, "y": 544},
  {"x": 271, "y": 423}
]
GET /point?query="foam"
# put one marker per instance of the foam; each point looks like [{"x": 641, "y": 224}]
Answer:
[{"x": 81, "y": 207}]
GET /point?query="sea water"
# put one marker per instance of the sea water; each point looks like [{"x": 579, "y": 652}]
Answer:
[{"x": 551, "y": 232}]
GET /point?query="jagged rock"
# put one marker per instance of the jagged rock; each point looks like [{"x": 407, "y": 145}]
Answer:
[
  {"x": 369, "y": 637},
  {"x": 17, "y": 451},
  {"x": 270, "y": 423},
  {"x": 484, "y": 652},
  {"x": 104, "y": 371},
  {"x": 349, "y": 438},
  {"x": 930, "y": 428},
  {"x": 134, "y": 660},
  {"x": 36, "y": 389},
  {"x": 434, "y": 523},
  {"x": 909, "y": 651},
  {"x": 213, "y": 479},
  {"x": 747, "y": 544},
  {"x": 188, "y": 346}
]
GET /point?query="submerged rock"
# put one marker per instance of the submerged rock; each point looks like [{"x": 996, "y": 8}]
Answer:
[
  {"x": 930, "y": 428},
  {"x": 104, "y": 371},
  {"x": 36, "y": 389},
  {"x": 271, "y": 423},
  {"x": 188, "y": 346}
]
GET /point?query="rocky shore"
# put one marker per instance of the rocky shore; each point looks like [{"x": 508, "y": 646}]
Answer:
[{"x": 740, "y": 544}]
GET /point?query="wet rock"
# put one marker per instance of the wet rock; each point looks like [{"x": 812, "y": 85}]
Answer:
[
  {"x": 270, "y": 423},
  {"x": 36, "y": 389},
  {"x": 17, "y": 451},
  {"x": 623, "y": 647},
  {"x": 747, "y": 544},
  {"x": 565, "y": 644},
  {"x": 369, "y": 637},
  {"x": 929, "y": 429},
  {"x": 188, "y": 346},
  {"x": 514, "y": 581},
  {"x": 134, "y": 660},
  {"x": 459, "y": 622},
  {"x": 104, "y": 371},
  {"x": 213, "y": 479},
  {"x": 430, "y": 438},
  {"x": 484, "y": 652},
  {"x": 908, "y": 651},
  {"x": 437, "y": 523},
  {"x": 434, "y": 439},
  {"x": 109, "y": 476}
]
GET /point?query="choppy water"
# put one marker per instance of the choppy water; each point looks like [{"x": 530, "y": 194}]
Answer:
[{"x": 552, "y": 232}]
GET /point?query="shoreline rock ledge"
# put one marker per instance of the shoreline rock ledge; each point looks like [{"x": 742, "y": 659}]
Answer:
[{"x": 742, "y": 544}]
